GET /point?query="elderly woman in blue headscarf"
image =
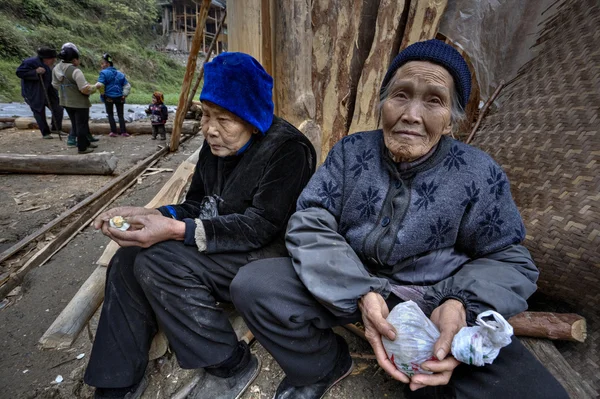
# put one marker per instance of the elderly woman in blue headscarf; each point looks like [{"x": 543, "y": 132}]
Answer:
[
  {"x": 178, "y": 261},
  {"x": 396, "y": 214}
]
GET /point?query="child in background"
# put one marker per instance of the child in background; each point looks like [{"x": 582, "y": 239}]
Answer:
[{"x": 158, "y": 115}]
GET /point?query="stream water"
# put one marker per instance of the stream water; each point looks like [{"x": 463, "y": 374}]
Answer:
[{"x": 132, "y": 112}]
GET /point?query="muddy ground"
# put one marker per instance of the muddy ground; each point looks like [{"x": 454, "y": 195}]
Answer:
[{"x": 29, "y": 201}]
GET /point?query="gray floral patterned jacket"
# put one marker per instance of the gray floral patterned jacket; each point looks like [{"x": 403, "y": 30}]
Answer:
[{"x": 446, "y": 227}]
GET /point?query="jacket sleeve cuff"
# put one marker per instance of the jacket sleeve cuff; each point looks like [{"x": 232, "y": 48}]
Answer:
[
  {"x": 195, "y": 234},
  {"x": 439, "y": 297},
  {"x": 168, "y": 211}
]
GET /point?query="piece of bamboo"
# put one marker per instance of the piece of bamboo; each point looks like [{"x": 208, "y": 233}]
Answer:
[{"x": 189, "y": 75}]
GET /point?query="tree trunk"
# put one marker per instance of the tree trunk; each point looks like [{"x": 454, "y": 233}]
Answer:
[
  {"x": 388, "y": 33},
  {"x": 423, "y": 20},
  {"x": 103, "y": 163}
]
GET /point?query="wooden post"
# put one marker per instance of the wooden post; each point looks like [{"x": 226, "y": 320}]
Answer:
[
  {"x": 174, "y": 12},
  {"x": 189, "y": 75},
  {"x": 206, "y": 59},
  {"x": 423, "y": 20}
]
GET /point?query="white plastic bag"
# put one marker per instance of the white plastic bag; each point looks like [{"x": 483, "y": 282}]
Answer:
[{"x": 416, "y": 335}]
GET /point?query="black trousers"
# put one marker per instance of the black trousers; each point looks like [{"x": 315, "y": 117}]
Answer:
[
  {"x": 171, "y": 285},
  {"x": 118, "y": 104},
  {"x": 159, "y": 129},
  {"x": 296, "y": 329},
  {"x": 80, "y": 127},
  {"x": 40, "y": 118}
]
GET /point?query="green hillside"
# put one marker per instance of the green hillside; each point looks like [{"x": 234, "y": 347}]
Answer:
[{"x": 122, "y": 27}]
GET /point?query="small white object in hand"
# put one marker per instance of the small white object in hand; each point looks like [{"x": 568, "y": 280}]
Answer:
[{"x": 118, "y": 222}]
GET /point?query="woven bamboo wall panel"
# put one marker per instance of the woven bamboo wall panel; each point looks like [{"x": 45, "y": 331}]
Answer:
[{"x": 546, "y": 136}]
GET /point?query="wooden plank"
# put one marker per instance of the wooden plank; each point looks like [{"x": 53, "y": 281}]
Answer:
[
  {"x": 388, "y": 33},
  {"x": 244, "y": 27},
  {"x": 102, "y": 163},
  {"x": 65, "y": 329},
  {"x": 424, "y": 18},
  {"x": 551, "y": 358},
  {"x": 189, "y": 76}
]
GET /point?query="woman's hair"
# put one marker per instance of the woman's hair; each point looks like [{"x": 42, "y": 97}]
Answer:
[
  {"x": 68, "y": 54},
  {"x": 108, "y": 58},
  {"x": 159, "y": 97},
  {"x": 457, "y": 113}
]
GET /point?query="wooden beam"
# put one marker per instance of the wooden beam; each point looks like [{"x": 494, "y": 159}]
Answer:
[
  {"x": 102, "y": 163},
  {"x": 189, "y": 76},
  {"x": 206, "y": 59},
  {"x": 65, "y": 329},
  {"x": 553, "y": 360},
  {"x": 424, "y": 18}
]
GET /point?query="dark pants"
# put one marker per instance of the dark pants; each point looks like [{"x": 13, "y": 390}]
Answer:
[
  {"x": 40, "y": 118},
  {"x": 80, "y": 127},
  {"x": 118, "y": 103},
  {"x": 296, "y": 329},
  {"x": 159, "y": 129},
  {"x": 171, "y": 285}
]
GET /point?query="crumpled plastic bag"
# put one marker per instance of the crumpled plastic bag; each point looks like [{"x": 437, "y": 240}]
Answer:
[{"x": 416, "y": 335}]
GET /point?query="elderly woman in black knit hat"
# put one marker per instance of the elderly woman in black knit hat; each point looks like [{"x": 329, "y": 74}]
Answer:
[
  {"x": 178, "y": 261},
  {"x": 397, "y": 214}
]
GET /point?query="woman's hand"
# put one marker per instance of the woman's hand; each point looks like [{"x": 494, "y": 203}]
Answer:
[
  {"x": 125, "y": 211},
  {"x": 449, "y": 317},
  {"x": 374, "y": 311},
  {"x": 146, "y": 230}
]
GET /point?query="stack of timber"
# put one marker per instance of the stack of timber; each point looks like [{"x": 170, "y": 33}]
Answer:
[
  {"x": 69, "y": 323},
  {"x": 188, "y": 127}
]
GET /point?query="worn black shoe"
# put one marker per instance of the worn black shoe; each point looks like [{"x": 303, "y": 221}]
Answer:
[
  {"x": 213, "y": 387},
  {"x": 93, "y": 145},
  {"x": 86, "y": 151},
  {"x": 47, "y": 136},
  {"x": 343, "y": 367},
  {"x": 93, "y": 139}
]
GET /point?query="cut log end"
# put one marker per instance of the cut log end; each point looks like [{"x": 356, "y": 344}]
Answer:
[{"x": 579, "y": 330}]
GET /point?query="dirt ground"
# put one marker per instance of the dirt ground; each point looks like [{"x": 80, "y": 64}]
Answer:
[{"x": 28, "y": 372}]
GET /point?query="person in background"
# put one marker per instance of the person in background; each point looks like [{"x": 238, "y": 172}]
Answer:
[
  {"x": 74, "y": 92},
  {"x": 115, "y": 87},
  {"x": 158, "y": 115},
  {"x": 36, "y": 83},
  {"x": 72, "y": 139}
]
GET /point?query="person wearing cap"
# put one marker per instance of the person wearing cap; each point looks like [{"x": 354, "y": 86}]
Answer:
[
  {"x": 74, "y": 92},
  {"x": 36, "y": 88},
  {"x": 178, "y": 261},
  {"x": 401, "y": 213},
  {"x": 115, "y": 88}
]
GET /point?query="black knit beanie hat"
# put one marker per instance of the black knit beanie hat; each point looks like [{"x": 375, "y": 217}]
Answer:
[
  {"x": 440, "y": 53},
  {"x": 46, "y": 52}
]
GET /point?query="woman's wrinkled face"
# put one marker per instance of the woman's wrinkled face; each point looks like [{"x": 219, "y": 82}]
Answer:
[
  {"x": 224, "y": 132},
  {"x": 416, "y": 112}
]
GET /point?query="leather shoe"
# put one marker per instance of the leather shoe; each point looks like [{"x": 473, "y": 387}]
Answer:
[{"x": 343, "y": 367}]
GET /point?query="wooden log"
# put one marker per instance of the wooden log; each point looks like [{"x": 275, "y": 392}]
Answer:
[
  {"x": 388, "y": 33},
  {"x": 74, "y": 316},
  {"x": 189, "y": 75},
  {"x": 7, "y": 120},
  {"x": 424, "y": 18},
  {"x": 140, "y": 127},
  {"x": 562, "y": 326},
  {"x": 6, "y": 125},
  {"x": 102, "y": 163},
  {"x": 64, "y": 330},
  {"x": 551, "y": 358}
]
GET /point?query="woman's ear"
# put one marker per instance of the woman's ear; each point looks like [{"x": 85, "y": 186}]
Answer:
[{"x": 448, "y": 129}]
